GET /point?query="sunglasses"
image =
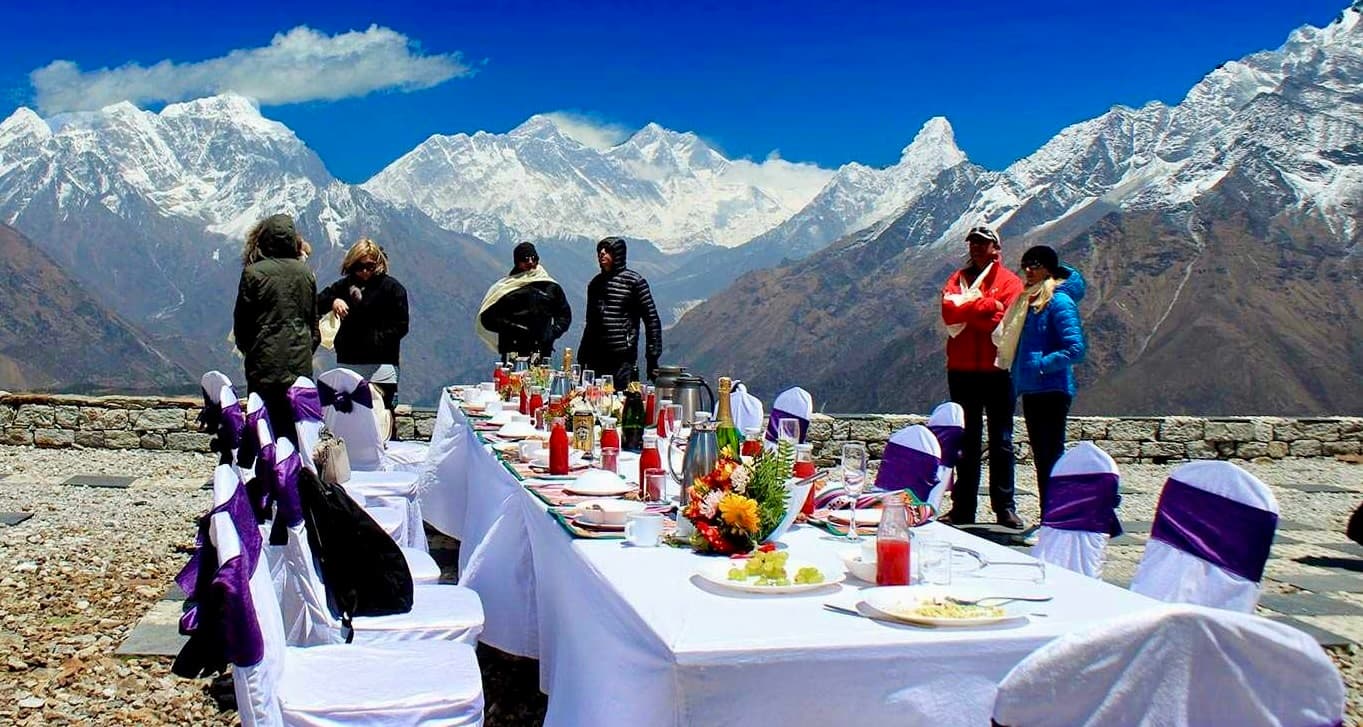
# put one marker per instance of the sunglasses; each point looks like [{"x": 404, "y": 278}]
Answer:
[{"x": 366, "y": 267}]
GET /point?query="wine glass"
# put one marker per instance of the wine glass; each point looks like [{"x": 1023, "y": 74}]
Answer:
[
  {"x": 788, "y": 430},
  {"x": 606, "y": 382},
  {"x": 588, "y": 378},
  {"x": 577, "y": 375},
  {"x": 854, "y": 480}
]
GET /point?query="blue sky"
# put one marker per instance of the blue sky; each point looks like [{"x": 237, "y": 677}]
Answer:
[{"x": 817, "y": 82}]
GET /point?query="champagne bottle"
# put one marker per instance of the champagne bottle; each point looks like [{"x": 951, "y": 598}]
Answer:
[
  {"x": 567, "y": 360},
  {"x": 727, "y": 435}
]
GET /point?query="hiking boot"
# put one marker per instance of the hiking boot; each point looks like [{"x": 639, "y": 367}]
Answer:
[{"x": 1010, "y": 520}]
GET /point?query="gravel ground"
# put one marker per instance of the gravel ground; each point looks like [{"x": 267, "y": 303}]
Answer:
[{"x": 77, "y": 577}]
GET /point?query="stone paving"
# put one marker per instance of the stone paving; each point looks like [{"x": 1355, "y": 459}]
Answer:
[{"x": 88, "y": 573}]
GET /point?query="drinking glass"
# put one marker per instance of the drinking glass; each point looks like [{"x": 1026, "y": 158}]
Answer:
[
  {"x": 576, "y": 371},
  {"x": 606, "y": 382},
  {"x": 854, "y": 480},
  {"x": 934, "y": 561},
  {"x": 588, "y": 378},
  {"x": 788, "y": 430},
  {"x": 655, "y": 485},
  {"x": 674, "y": 417}
]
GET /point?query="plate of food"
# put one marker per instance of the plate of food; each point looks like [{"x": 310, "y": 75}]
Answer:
[
  {"x": 944, "y": 605},
  {"x": 773, "y": 572}
]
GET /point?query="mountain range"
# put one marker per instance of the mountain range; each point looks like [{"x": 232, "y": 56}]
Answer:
[{"x": 1219, "y": 236}]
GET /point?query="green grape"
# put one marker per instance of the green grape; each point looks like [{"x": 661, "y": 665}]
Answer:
[{"x": 738, "y": 574}]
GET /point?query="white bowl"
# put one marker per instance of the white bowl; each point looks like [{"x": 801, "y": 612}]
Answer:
[
  {"x": 862, "y": 569},
  {"x": 502, "y": 417},
  {"x": 606, "y": 511}
]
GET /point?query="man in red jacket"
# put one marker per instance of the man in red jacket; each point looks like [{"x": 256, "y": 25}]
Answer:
[{"x": 973, "y": 303}]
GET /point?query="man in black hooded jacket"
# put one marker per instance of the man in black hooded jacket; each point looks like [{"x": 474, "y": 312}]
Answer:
[
  {"x": 618, "y": 299},
  {"x": 527, "y": 310}
]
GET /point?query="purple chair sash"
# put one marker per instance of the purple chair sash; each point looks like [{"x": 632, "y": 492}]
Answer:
[
  {"x": 227, "y": 587},
  {"x": 774, "y": 424},
  {"x": 906, "y": 468},
  {"x": 227, "y": 423},
  {"x": 306, "y": 403},
  {"x": 288, "y": 503},
  {"x": 249, "y": 446},
  {"x": 1086, "y": 502},
  {"x": 949, "y": 436},
  {"x": 345, "y": 401},
  {"x": 1229, "y": 534},
  {"x": 265, "y": 484}
]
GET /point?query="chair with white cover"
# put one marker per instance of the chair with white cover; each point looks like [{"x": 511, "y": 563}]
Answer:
[
  {"x": 1209, "y": 543},
  {"x": 793, "y": 403},
  {"x": 396, "y": 490},
  {"x": 348, "y": 410},
  {"x": 439, "y": 611},
  {"x": 947, "y": 423},
  {"x": 420, "y": 683},
  {"x": 912, "y": 462},
  {"x": 258, "y": 478},
  {"x": 222, "y": 415},
  {"x": 1080, "y": 511},
  {"x": 745, "y": 408},
  {"x": 1177, "y": 665}
]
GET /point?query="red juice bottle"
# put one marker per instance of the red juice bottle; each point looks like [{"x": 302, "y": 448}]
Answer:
[
  {"x": 893, "y": 554},
  {"x": 664, "y": 422},
  {"x": 651, "y": 407},
  {"x": 649, "y": 459},
  {"x": 610, "y": 436},
  {"x": 536, "y": 401},
  {"x": 558, "y": 449}
]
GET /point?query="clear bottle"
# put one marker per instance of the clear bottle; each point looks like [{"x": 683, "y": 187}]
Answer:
[
  {"x": 804, "y": 467},
  {"x": 893, "y": 549}
]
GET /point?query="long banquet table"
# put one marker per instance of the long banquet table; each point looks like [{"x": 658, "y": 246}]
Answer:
[{"x": 630, "y": 636}]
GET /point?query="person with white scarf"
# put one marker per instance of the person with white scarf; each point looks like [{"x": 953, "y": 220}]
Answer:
[
  {"x": 1040, "y": 339},
  {"x": 526, "y": 311}
]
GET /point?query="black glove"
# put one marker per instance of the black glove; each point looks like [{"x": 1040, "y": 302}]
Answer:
[{"x": 652, "y": 368}]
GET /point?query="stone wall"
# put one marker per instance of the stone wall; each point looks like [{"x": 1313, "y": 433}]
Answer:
[{"x": 131, "y": 422}]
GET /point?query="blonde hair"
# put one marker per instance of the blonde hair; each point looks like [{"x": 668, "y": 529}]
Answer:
[{"x": 363, "y": 249}]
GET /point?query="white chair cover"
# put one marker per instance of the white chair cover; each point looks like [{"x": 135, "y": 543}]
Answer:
[
  {"x": 1234, "y": 517},
  {"x": 1179, "y": 665},
  {"x": 423, "y": 683},
  {"x": 746, "y": 409},
  {"x": 367, "y": 446},
  {"x": 791, "y": 403},
  {"x": 444, "y": 612},
  {"x": 947, "y": 423},
  {"x": 263, "y": 465},
  {"x": 1084, "y": 515},
  {"x": 912, "y": 462},
  {"x": 373, "y": 490}
]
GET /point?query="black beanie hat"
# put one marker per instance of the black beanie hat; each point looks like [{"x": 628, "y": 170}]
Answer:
[
  {"x": 1044, "y": 255},
  {"x": 524, "y": 251}
]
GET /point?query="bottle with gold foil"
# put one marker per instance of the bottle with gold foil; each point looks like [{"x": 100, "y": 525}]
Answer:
[
  {"x": 726, "y": 434},
  {"x": 567, "y": 360}
]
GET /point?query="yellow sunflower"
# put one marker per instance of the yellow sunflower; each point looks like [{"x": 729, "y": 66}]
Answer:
[{"x": 739, "y": 512}]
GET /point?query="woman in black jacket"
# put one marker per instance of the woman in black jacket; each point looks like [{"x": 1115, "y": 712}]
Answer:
[
  {"x": 274, "y": 322},
  {"x": 372, "y": 306}
]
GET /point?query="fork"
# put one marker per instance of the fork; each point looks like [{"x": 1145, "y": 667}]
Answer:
[{"x": 1000, "y": 599}]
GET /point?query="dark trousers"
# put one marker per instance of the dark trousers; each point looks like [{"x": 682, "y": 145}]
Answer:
[
  {"x": 1045, "y": 414},
  {"x": 980, "y": 393},
  {"x": 278, "y": 409}
]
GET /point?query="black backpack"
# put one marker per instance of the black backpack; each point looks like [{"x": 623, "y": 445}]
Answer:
[{"x": 364, "y": 571}]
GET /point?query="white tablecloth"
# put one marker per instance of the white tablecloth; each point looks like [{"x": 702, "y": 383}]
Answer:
[{"x": 628, "y": 636}]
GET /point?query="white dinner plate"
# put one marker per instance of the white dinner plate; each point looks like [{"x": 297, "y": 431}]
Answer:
[
  {"x": 901, "y": 603},
  {"x": 717, "y": 573},
  {"x": 599, "y": 483}
]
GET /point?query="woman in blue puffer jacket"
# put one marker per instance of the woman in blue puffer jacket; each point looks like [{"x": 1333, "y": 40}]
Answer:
[{"x": 1049, "y": 342}]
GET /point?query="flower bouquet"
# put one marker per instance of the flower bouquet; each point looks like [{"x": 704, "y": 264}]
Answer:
[{"x": 737, "y": 505}]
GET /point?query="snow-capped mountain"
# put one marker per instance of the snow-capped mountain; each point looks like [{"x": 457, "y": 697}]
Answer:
[
  {"x": 1220, "y": 238},
  {"x": 538, "y": 182}
]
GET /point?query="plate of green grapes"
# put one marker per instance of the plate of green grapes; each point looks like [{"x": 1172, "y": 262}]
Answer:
[{"x": 772, "y": 572}]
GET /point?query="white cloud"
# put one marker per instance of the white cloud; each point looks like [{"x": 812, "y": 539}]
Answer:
[
  {"x": 795, "y": 182},
  {"x": 300, "y": 65},
  {"x": 590, "y": 130}
]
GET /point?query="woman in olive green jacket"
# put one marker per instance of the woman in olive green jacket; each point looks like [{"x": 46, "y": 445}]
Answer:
[{"x": 275, "y": 321}]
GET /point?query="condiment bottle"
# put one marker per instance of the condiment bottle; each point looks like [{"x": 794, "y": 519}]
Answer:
[
  {"x": 536, "y": 400},
  {"x": 650, "y": 407},
  {"x": 752, "y": 441},
  {"x": 664, "y": 419},
  {"x": 610, "y": 436},
  {"x": 649, "y": 459},
  {"x": 558, "y": 448},
  {"x": 893, "y": 555},
  {"x": 525, "y": 396},
  {"x": 804, "y": 467}
]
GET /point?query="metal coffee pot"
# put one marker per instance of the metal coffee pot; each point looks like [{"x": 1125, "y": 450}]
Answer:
[
  {"x": 689, "y": 388},
  {"x": 665, "y": 380}
]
